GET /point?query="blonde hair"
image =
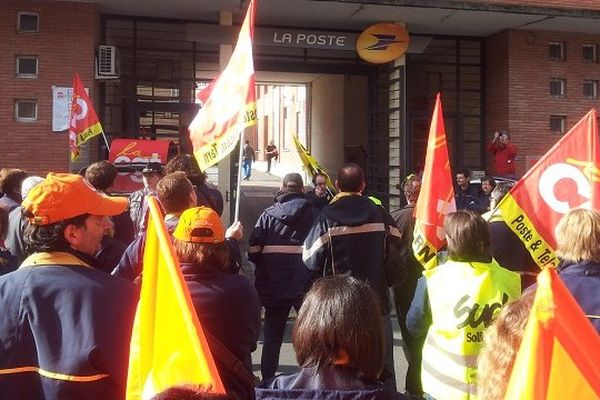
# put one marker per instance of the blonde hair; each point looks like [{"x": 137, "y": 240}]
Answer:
[
  {"x": 501, "y": 343},
  {"x": 578, "y": 236}
]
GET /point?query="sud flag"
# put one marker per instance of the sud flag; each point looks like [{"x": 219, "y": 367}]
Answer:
[
  {"x": 84, "y": 123},
  {"x": 311, "y": 164},
  {"x": 560, "y": 349},
  {"x": 168, "y": 346},
  {"x": 566, "y": 177},
  {"x": 436, "y": 199},
  {"x": 230, "y": 104}
]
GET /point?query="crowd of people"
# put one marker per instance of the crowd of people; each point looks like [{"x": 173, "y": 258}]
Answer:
[{"x": 71, "y": 262}]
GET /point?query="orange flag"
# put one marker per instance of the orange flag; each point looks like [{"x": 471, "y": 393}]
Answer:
[
  {"x": 566, "y": 177},
  {"x": 559, "y": 353},
  {"x": 168, "y": 346},
  {"x": 436, "y": 199},
  {"x": 230, "y": 104},
  {"x": 84, "y": 123}
]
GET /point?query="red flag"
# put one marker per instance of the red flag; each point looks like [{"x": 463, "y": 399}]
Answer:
[
  {"x": 436, "y": 199},
  {"x": 231, "y": 104},
  {"x": 84, "y": 123},
  {"x": 560, "y": 349},
  {"x": 566, "y": 177}
]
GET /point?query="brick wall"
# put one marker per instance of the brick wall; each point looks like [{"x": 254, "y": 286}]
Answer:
[
  {"x": 525, "y": 97},
  {"x": 65, "y": 44}
]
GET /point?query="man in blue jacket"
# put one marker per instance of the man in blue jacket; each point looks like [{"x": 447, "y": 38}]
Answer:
[
  {"x": 65, "y": 326},
  {"x": 281, "y": 277}
]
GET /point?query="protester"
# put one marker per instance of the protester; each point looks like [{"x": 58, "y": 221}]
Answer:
[
  {"x": 8, "y": 262},
  {"x": 175, "y": 194},
  {"x": 281, "y": 278},
  {"x": 501, "y": 343},
  {"x": 483, "y": 199},
  {"x": 151, "y": 174},
  {"x": 577, "y": 239},
  {"x": 354, "y": 236},
  {"x": 339, "y": 343},
  {"x": 75, "y": 339},
  {"x": 208, "y": 195},
  {"x": 272, "y": 154},
  {"x": 504, "y": 153},
  {"x": 454, "y": 303},
  {"x": 10, "y": 187},
  {"x": 17, "y": 222},
  {"x": 320, "y": 196},
  {"x": 227, "y": 304},
  {"x": 247, "y": 160},
  {"x": 409, "y": 271},
  {"x": 189, "y": 392},
  {"x": 465, "y": 194},
  {"x": 507, "y": 248}
]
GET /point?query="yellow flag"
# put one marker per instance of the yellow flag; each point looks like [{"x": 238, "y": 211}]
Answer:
[
  {"x": 311, "y": 164},
  {"x": 168, "y": 346}
]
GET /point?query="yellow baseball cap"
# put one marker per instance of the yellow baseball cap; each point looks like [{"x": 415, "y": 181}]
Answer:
[
  {"x": 63, "y": 196},
  {"x": 200, "y": 225}
]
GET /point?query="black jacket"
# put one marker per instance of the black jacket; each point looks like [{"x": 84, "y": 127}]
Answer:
[
  {"x": 583, "y": 280},
  {"x": 353, "y": 236},
  {"x": 275, "y": 246},
  {"x": 228, "y": 309},
  {"x": 328, "y": 383}
]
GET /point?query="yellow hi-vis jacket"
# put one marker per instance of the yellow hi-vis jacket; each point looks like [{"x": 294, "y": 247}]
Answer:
[{"x": 465, "y": 297}]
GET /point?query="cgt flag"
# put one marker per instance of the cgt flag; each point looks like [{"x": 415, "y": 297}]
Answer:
[
  {"x": 560, "y": 349},
  {"x": 230, "y": 104},
  {"x": 168, "y": 346},
  {"x": 84, "y": 123},
  {"x": 311, "y": 164},
  {"x": 436, "y": 199},
  {"x": 566, "y": 177}
]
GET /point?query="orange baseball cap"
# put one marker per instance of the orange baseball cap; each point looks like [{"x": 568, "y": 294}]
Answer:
[
  {"x": 200, "y": 225},
  {"x": 63, "y": 196}
]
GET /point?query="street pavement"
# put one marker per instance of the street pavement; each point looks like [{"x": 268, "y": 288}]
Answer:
[{"x": 256, "y": 195}]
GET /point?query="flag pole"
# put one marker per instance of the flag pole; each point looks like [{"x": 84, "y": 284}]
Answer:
[
  {"x": 105, "y": 141},
  {"x": 236, "y": 214}
]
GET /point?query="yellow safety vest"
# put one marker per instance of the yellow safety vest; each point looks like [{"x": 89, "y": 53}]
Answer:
[{"x": 465, "y": 298}]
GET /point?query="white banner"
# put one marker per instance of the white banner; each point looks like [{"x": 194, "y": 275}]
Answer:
[{"x": 61, "y": 101}]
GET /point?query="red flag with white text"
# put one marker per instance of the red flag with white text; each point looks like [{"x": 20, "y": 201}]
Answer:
[
  {"x": 230, "y": 104},
  {"x": 84, "y": 123},
  {"x": 436, "y": 198},
  {"x": 566, "y": 177}
]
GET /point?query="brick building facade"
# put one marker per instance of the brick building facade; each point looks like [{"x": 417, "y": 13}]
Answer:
[{"x": 518, "y": 72}]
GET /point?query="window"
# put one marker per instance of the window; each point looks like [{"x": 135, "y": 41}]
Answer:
[
  {"x": 558, "y": 123},
  {"x": 27, "y": 66},
  {"x": 590, "y": 53},
  {"x": 557, "y": 51},
  {"x": 26, "y": 110},
  {"x": 590, "y": 89},
  {"x": 558, "y": 87},
  {"x": 28, "y": 21}
]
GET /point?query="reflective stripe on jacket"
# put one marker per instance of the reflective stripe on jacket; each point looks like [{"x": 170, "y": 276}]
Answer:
[{"x": 465, "y": 297}]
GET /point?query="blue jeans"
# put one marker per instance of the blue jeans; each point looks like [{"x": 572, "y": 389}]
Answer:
[{"x": 247, "y": 168}]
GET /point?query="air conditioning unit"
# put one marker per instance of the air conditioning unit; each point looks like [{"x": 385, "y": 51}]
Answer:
[{"x": 107, "y": 62}]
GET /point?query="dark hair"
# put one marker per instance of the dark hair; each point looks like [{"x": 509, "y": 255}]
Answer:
[
  {"x": 51, "y": 237},
  {"x": 350, "y": 178},
  {"x": 293, "y": 183},
  {"x": 3, "y": 223},
  {"x": 173, "y": 191},
  {"x": 101, "y": 175},
  {"x": 464, "y": 172},
  {"x": 490, "y": 180},
  {"x": 188, "y": 164},
  {"x": 468, "y": 236},
  {"x": 215, "y": 255},
  {"x": 340, "y": 314},
  {"x": 412, "y": 188},
  {"x": 11, "y": 180},
  {"x": 190, "y": 392},
  {"x": 314, "y": 178}
]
